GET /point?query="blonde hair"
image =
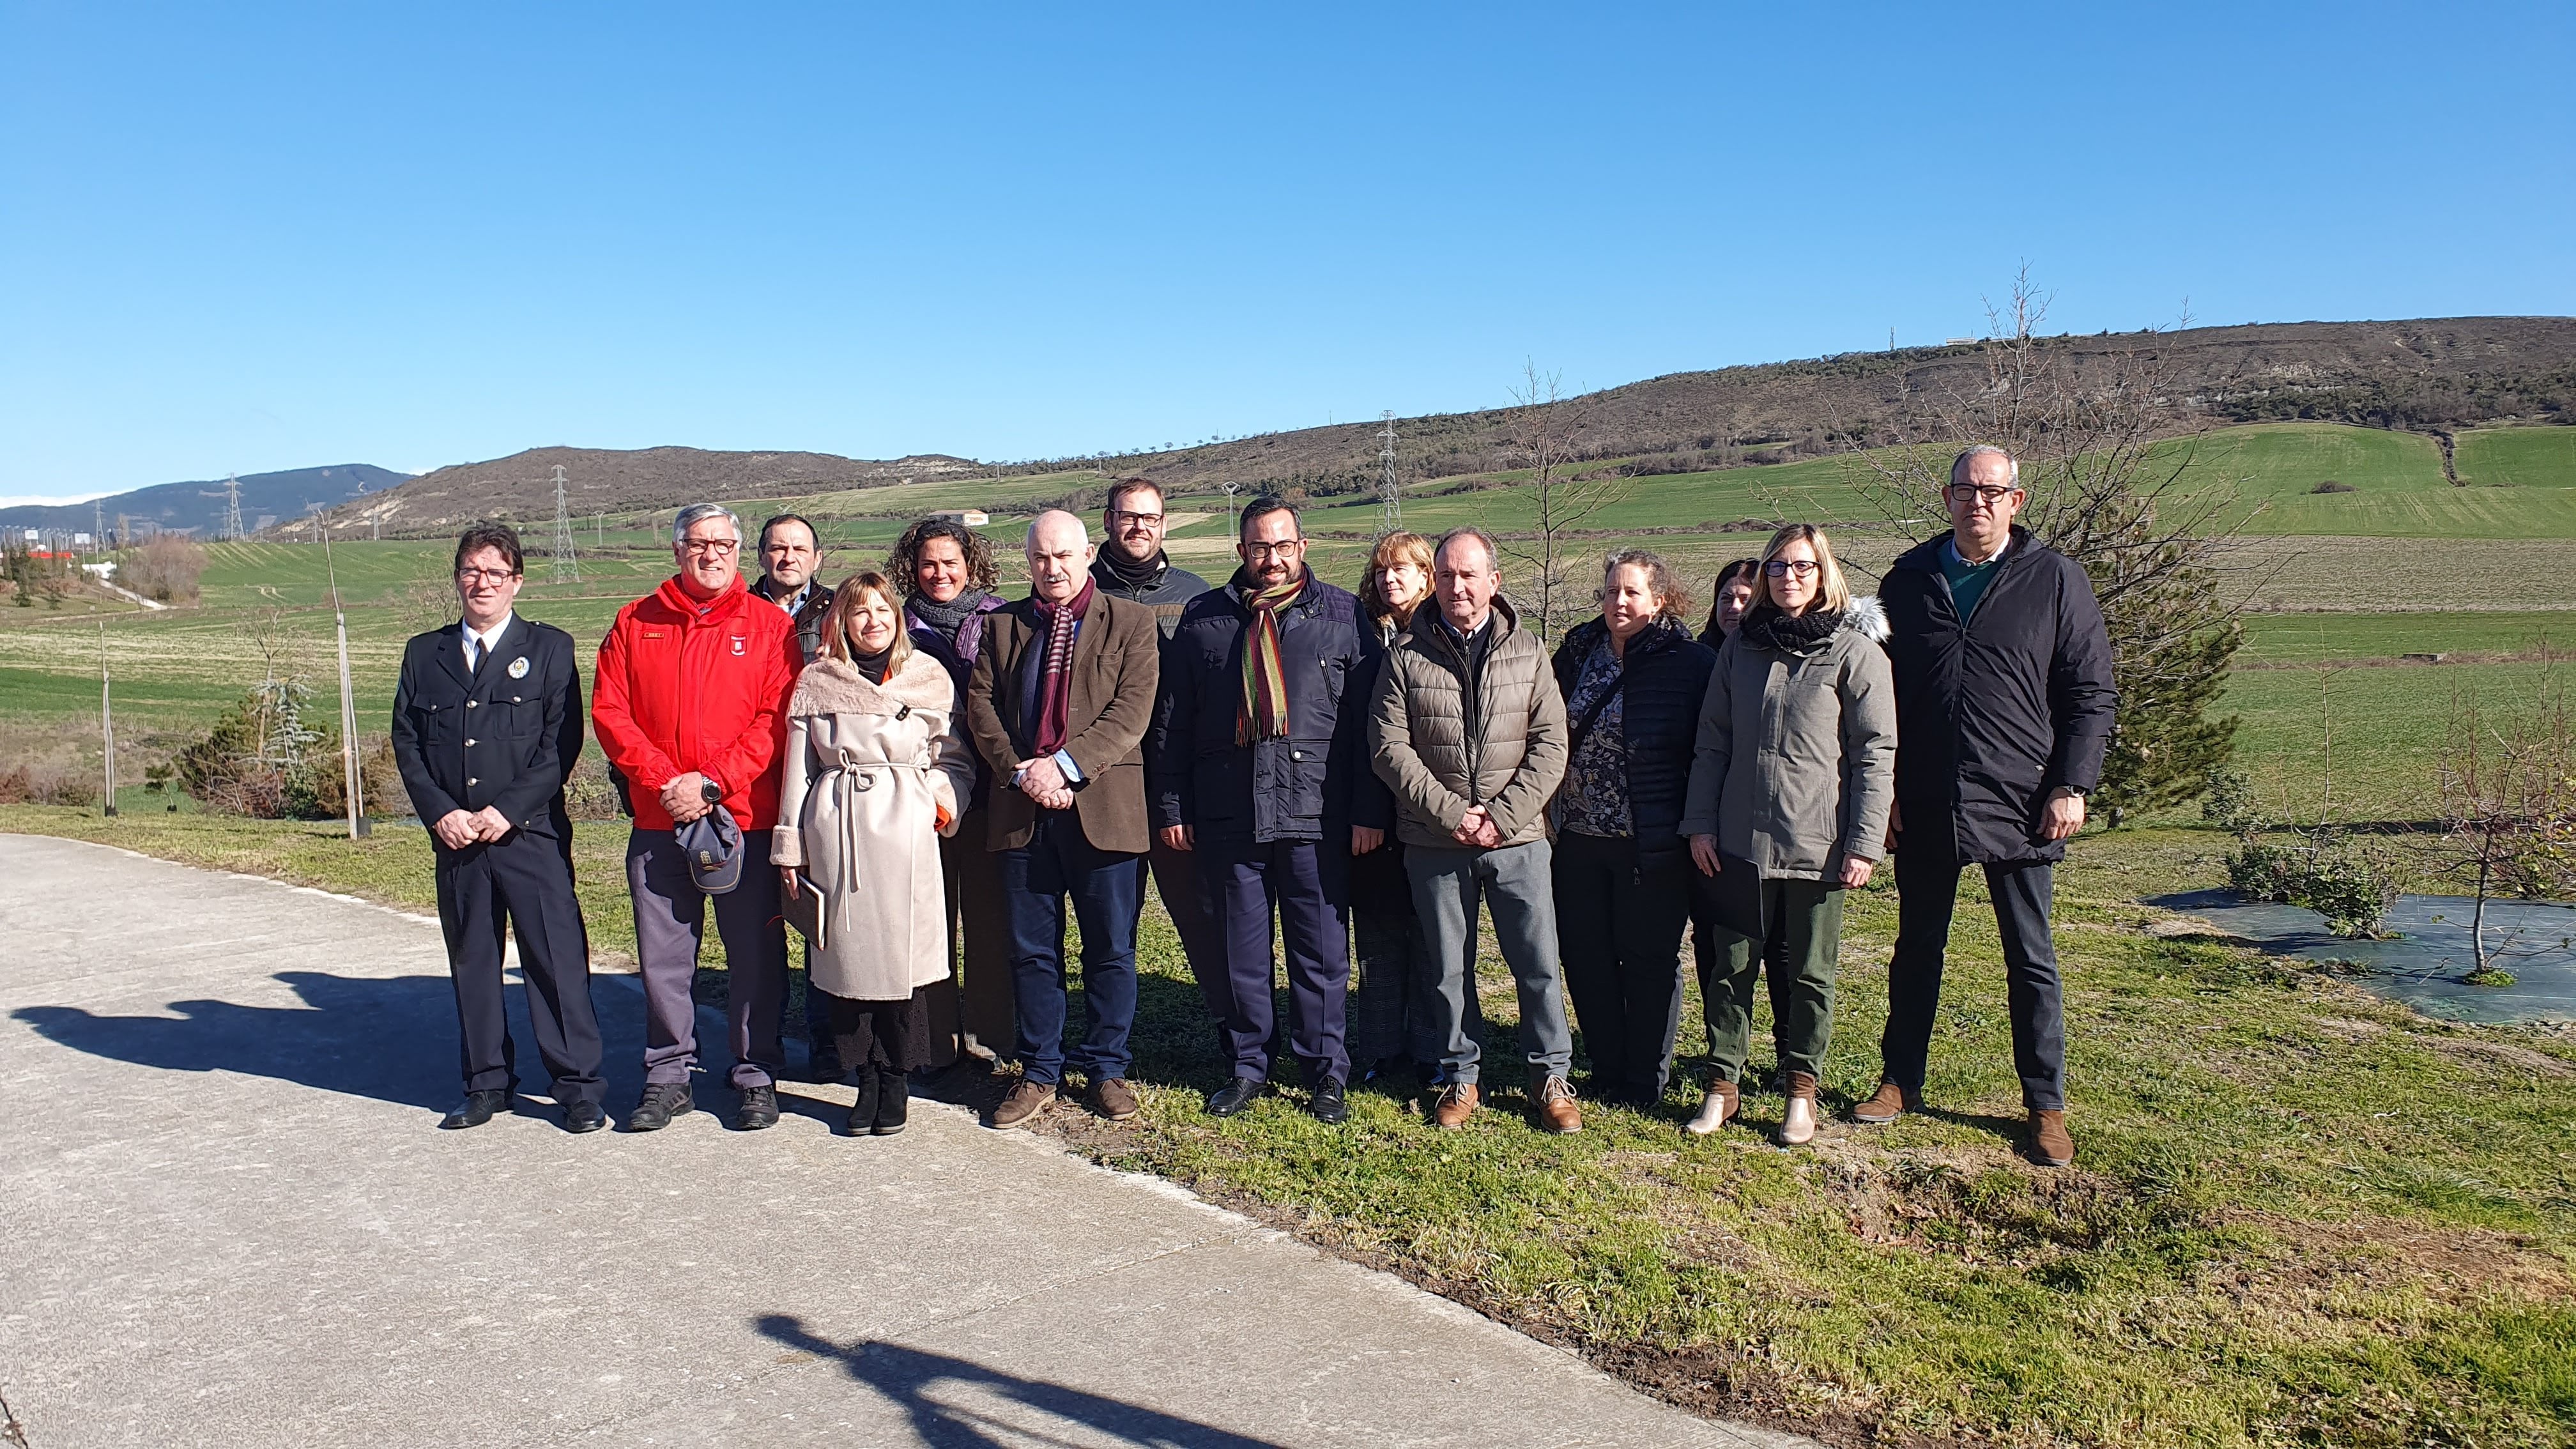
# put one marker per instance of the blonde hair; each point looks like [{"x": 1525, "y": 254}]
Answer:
[
  {"x": 1833, "y": 593},
  {"x": 845, "y": 607},
  {"x": 1413, "y": 548}
]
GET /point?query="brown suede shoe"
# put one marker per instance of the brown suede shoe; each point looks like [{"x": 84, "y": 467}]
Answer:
[
  {"x": 2050, "y": 1143},
  {"x": 1798, "y": 1121},
  {"x": 1026, "y": 1101},
  {"x": 1114, "y": 1099},
  {"x": 1717, "y": 1110},
  {"x": 1457, "y": 1103},
  {"x": 1884, "y": 1105},
  {"x": 1554, "y": 1102}
]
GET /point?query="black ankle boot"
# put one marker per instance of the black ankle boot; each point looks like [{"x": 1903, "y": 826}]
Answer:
[
  {"x": 894, "y": 1100},
  {"x": 863, "y": 1112}
]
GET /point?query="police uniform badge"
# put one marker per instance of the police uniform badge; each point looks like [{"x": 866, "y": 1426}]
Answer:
[{"x": 519, "y": 667}]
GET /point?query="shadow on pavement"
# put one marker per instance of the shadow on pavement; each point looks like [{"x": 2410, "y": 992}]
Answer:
[
  {"x": 956, "y": 1403},
  {"x": 389, "y": 1038}
]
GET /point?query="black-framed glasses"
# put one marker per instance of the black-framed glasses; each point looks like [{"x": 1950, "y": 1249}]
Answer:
[
  {"x": 720, "y": 547},
  {"x": 495, "y": 577},
  {"x": 1273, "y": 550},
  {"x": 1781, "y": 568},
  {"x": 1119, "y": 515},
  {"x": 1988, "y": 493}
]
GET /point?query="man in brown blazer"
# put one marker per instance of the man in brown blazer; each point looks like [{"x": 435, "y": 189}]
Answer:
[{"x": 1061, "y": 698}]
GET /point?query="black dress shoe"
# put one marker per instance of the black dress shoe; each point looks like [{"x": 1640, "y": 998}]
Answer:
[
  {"x": 476, "y": 1109},
  {"x": 863, "y": 1112},
  {"x": 1230, "y": 1099},
  {"x": 894, "y": 1102},
  {"x": 759, "y": 1109},
  {"x": 1327, "y": 1103},
  {"x": 584, "y": 1115},
  {"x": 662, "y": 1102}
]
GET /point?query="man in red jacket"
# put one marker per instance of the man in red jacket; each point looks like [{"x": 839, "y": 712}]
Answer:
[{"x": 690, "y": 705}]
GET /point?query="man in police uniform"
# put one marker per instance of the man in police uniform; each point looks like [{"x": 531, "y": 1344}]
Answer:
[{"x": 487, "y": 722}]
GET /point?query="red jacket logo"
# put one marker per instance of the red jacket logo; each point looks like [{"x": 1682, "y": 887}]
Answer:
[{"x": 737, "y": 646}]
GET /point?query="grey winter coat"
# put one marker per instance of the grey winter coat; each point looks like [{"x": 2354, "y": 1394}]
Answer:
[
  {"x": 869, "y": 771},
  {"x": 1797, "y": 751},
  {"x": 1445, "y": 736}
]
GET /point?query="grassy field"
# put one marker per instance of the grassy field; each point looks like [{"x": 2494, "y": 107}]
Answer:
[
  {"x": 2517, "y": 457},
  {"x": 2301, "y": 1215}
]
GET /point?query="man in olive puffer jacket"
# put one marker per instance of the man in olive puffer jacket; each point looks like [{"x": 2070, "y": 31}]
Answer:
[{"x": 1469, "y": 732}]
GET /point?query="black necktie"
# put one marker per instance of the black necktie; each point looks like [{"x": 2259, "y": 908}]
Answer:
[{"x": 474, "y": 652}]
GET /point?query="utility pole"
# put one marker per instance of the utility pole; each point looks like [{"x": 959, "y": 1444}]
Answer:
[
  {"x": 567, "y": 568},
  {"x": 1390, "y": 501},
  {"x": 1229, "y": 489},
  {"x": 98, "y": 528},
  {"x": 106, "y": 723},
  {"x": 352, "y": 787}
]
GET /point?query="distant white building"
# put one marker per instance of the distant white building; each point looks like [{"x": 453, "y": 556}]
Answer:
[
  {"x": 970, "y": 517},
  {"x": 103, "y": 572}
]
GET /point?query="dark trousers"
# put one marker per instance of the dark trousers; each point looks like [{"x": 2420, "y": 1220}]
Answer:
[
  {"x": 670, "y": 925},
  {"x": 523, "y": 882},
  {"x": 1721, "y": 955},
  {"x": 978, "y": 940},
  {"x": 1927, "y": 886},
  {"x": 1245, "y": 884},
  {"x": 1107, "y": 890},
  {"x": 1391, "y": 1013},
  {"x": 891, "y": 1036},
  {"x": 1619, "y": 934},
  {"x": 1800, "y": 950}
]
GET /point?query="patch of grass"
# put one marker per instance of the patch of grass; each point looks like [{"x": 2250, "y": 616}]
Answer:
[
  {"x": 2301, "y": 1214},
  {"x": 2324, "y": 637},
  {"x": 2517, "y": 457}
]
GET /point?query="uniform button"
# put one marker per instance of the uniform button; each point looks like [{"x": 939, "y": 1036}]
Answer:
[
  {"x": 469, "y": 744},
  {"x": 473, "y": 703},
  {"x": 470, "y": 780}
]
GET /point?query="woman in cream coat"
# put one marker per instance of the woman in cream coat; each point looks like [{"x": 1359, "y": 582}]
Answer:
[{"x": 876, "y": 763}]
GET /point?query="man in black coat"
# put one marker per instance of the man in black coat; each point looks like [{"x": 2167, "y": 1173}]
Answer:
[
  {"x": 2004, "y": 704},
  {"x": 791, "y": 554},
  {"x": 487, "y": 722},
  {"x": 1257, "y": 774}
]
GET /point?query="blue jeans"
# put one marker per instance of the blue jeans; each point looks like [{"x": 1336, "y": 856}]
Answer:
[{"x": 1107, "y": 890}]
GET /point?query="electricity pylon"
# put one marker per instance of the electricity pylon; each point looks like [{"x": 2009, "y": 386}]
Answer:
[
  {"x": 232, "y": 530},
  {"x": 567, "y": 568},
  {"x": 1390, "y": 501}
]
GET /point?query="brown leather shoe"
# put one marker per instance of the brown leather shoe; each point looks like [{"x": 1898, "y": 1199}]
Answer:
[
  {"x": 2050, "y": 1143},
  {"x": 1112, "y": 1098},
  {"x": 1719, "y": 1108},
  {"x": 1554, "y": 1101},
  {"x": 1026, "y": 1101},
  {"x": 1457, "y": 1103},
  {"x": 1798, "y": 1121},
  {"x": 1885, "y": 1104}
]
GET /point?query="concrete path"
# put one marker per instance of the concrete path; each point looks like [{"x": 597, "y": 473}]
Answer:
[{"x": 227, "y": 1217}]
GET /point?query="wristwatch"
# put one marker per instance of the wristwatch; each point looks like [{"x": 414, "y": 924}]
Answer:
[{"x": 708, "y": 792}]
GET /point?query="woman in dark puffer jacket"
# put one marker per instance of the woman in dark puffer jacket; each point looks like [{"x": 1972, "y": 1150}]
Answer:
[{"x": 1633, "y": 681}]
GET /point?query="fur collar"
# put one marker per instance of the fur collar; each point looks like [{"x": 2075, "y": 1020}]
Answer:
[
  {"x": 1807, "y": 633},
  {"x": 834, "y": 686}
]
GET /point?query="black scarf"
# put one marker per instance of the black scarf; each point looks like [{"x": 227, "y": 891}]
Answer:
[
  {"x": 948, "y": 618},
  {"x": 873, "y": 666},
  {"x": 1791, "y": 634},
  {"x": 1140, "y": 577}
]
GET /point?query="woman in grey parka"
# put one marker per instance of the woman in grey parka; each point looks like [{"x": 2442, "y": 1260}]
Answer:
[
  {"x": 1788, "y": 807},
  {"x": 875, "y": 768}
]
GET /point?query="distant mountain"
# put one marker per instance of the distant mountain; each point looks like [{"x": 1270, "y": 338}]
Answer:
[
  {"x": 2425, "y": 375},
  {"x": 520, "y": 488},
  {"x": 184, "y": 507}
]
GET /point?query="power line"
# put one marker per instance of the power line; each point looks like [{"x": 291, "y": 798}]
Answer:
[{"x": 232, "y": 530}]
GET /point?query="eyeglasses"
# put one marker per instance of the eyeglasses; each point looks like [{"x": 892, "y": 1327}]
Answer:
[
  {"x": 1779, "y": 568},
  {"x": 1119, "y": 517},
  {"x": 719, "y": 547},
  {"x": 1273, "y": 550},
  {"x": 494, "y": 577},
  {"x": 1988, "y": 493}
]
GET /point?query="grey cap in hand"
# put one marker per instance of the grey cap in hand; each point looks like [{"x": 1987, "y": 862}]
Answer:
[{"x": 714, "y": 846}]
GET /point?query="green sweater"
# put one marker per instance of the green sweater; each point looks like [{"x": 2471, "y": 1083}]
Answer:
[{"x": 1967, "y": 581}]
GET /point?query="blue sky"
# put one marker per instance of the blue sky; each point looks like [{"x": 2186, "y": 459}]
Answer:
[{"x": 257, "y": 236}]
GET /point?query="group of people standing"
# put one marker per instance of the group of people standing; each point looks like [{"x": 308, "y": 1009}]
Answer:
[{"x": 923, "y": 776}]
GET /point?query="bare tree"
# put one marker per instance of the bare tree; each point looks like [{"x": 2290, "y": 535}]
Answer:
[
  {"x": 2507, "y": 813},
  {"x": 2114, "y": 488},
  {"x": 1542, "y": 432}
]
